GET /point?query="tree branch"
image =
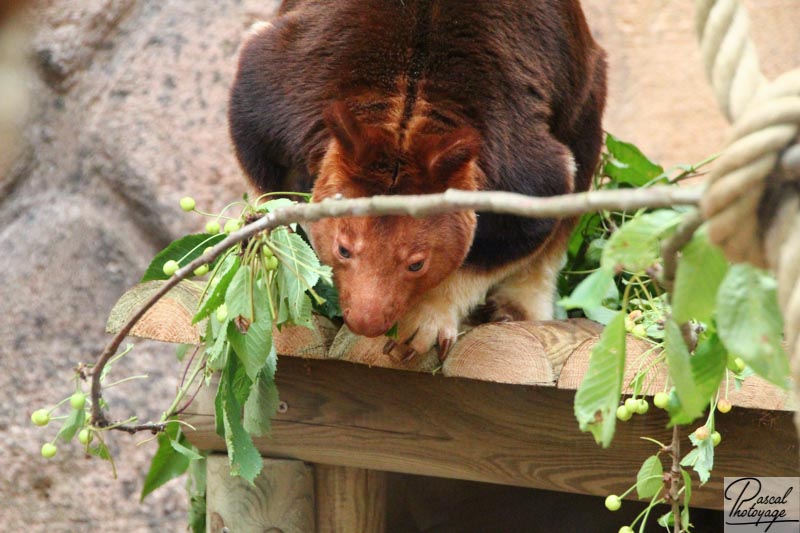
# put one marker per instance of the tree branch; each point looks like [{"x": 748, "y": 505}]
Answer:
[
  {"x": 676, "y": 478},
  {"x": 563, "y": 206}
]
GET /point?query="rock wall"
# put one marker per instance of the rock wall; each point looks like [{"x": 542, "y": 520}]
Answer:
[{"x": 127, "y": 114}]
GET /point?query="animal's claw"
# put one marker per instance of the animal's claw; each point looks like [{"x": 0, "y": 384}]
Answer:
[
  {"x": 443, "y": 348},
  {"x": 389, "y": 346},
  {"x": 408, "y": 355}
]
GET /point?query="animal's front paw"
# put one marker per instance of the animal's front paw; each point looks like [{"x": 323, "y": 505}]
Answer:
[{"x": 421, "y": 330}]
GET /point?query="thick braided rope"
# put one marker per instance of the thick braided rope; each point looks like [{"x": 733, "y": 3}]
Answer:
[{"x": 766, "y": 119}]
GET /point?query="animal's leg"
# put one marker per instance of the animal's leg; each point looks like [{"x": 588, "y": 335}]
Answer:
[
  {"x": 528, "y": 293},
  {"x": 436, "y": 319}
]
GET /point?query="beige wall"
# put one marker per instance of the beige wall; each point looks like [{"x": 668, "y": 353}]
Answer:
[{"x": 659, "y": 97}]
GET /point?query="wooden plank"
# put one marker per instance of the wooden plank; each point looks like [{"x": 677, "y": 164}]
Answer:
[
  {"x": 350, "y": 499},
  {"x": 282, "y": 498},
  {"x": 755, "y": 393},
  {"x": 351, "y": 415}
]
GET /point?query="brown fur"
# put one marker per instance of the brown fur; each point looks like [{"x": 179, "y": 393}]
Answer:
[{"x": 364, "y": 97}]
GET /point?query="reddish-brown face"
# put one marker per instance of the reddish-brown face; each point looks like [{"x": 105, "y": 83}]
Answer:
[{"x": 383, "y": 265}]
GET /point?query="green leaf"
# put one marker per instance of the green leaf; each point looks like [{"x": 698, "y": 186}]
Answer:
[
  {"x": 272, "y": 205},
  {"x": 218, "y": 351},
  {"x": 196, "y": 487},
  {"x": 72, "y": 424},
  {"x": 628, "y": 164},
  {"x": 330, "y": 307},
  {"x": 692, "y": 401},
  {"x": 239, "y": 296},
  {"x": 602, "y": 315},
  {"x": 700, "y": 458},
  {"x": 666, "y": 520},
  {"x": 591, "y": 292},
  {"x": 219, "y": 425},
  {"x": 191, "y": 246},
  {"x": 262, "y": 402},
  {"x": 216, "y": 295},
  {"x": 750, "y": 324},
  {"x": 687, "y": 482},
  {"x": 701, "y": 269},
  {"x": 588, "y": 227},
  {"x": 708, "y": 365},
  {"x": 636, "y": 245},
  {"x": 650, "y": 480},
  {"x": 189, "y": 453},
  {"x": 598, "y": 395},
  {"x": 167, "y": 463},
  {"x": 245, "y": 460},
  {"x": 100, "y": 450},
  {"x": 299, "y": 270},
  {"x": 253, "y": 347}
]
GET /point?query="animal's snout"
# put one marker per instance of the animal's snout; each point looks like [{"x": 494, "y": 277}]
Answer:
[{"x": 369, "y": 321}]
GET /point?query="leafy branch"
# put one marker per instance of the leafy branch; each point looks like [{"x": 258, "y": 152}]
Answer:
[{"x": 563, "y": 206}]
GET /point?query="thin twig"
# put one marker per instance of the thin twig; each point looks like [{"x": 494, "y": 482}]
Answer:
[
  {"x": 675, "y": 478},
  {"x": 673, "y": 245},
  {"x": 563, "y": 206}
]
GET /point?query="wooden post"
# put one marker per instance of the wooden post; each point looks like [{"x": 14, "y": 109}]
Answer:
[
  {"x": 350, "y": 499},
  {"x": 282, "y": 500}
]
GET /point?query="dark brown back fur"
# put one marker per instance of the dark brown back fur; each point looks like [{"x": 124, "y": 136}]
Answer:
[{"x": 526, "y": 77}]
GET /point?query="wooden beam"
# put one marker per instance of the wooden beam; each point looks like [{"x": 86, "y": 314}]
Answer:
[
  {"x": 349, "y": 499},
  {"x": 351, "y": 415},
  {"x": 282, "y": 498}
]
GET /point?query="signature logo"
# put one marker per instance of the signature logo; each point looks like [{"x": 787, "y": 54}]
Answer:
[{"x": 762, "y": 504}]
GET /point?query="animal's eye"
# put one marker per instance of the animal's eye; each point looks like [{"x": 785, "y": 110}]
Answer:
[
  {"x": 416, "y": 267},
  {"x": 344, "y": 252}
]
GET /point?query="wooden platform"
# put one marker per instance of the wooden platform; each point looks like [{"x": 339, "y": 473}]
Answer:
[{"x": 350, "y": 405}]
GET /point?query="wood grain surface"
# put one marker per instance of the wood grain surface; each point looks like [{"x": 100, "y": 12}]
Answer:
[
  {"x": 350, "y": 499},
  {"x": 351, "y": 415},
  {"x": 280, "y": 501}
]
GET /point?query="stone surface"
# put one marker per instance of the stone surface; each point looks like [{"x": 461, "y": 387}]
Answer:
[{"x": 127, "y": 114}]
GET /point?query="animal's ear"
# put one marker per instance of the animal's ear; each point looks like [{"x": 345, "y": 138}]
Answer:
[
  {"x": 344, "y": 127},
  {"x": 451, "y": 154}
]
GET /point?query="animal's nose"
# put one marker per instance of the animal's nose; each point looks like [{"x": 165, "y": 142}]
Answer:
[{"x": 366, "y": 322}]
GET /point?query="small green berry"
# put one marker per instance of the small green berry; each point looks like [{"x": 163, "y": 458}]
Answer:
[
  {"x": 629, "y": 325},
  {"x": 625, "y": 529},
  {"x": 639, "y": 331},
  {"x": 187, "y": 203},
  {"x": 201, "y": 270},
  {"x": 266, "y": 251},
  {"x": 232, "y": 225},
  {"x": 613, "y": 502},
  {"x": 49, "y": 450},
  {"x": 739, "y": 362},
  {"x": 222, "y": 313},
  {"x": 77, "y": 401},
  {"x": 661, "y": 400},
  {"x": 212, "y": 227},
  {"x": 41, "y": 417},
  {"x": 85, "y": 436},
  {"x": 208, "y": 250},
  {"x": 630, "y": 405},
  {"x": 716, "y": 438},
  {"x": 724, "y": 406},
  {"x": 702, "y": 433},
  {"x": 623, "y": 413},
  {"x": 170, "y": 267},
  {"x": 271, "y": 263},
  {"x": 642, "y": 406}
]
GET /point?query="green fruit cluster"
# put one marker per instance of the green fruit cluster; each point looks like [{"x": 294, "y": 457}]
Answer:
[{"x": 632, "y": 406}]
